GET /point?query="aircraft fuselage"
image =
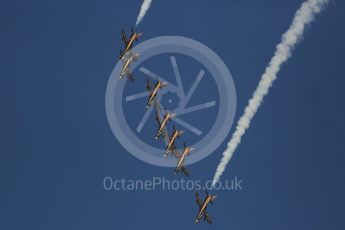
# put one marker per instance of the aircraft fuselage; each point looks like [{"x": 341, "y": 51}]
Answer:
[
  {"x": 172, "y": 141},
  {"x": 163, "y": 124},
  {"x": 204, "y": 206}
]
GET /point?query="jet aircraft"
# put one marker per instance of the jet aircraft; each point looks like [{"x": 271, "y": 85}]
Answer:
[
  {"x": 153, "y": 91},
  {"x": 128, "y": 41},
  {"x": 180, "y": 163},
  {"x": 167, "y": 117},
  {"x": 126, "y": 71},
  {"x": 171, "y": 144},
  {"x": 203, "y": 206}
]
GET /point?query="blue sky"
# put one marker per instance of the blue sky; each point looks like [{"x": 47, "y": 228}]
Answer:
[{"x": 56, "y": 145}]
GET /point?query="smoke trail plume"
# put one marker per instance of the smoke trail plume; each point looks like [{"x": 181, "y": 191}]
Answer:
[
  {"x": 304, "y": 15},
  {"x": 144, "y": 8}
]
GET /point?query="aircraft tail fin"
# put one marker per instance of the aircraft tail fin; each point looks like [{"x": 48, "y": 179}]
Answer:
[
  {"x": 207, "y": 218},
  {"x": 131, "y": 77},
  {"x": 184, "y": 171},
  {"x": 136, "y": 57}
]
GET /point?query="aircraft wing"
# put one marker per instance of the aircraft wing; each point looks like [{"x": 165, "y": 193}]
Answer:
[
  {"x": 176, "y": 153},
  {"x": 148, "y": 84},
  {"x": 207, "y": 218},
  {"x": 197, "y": 200},
  {"x": 124, "y": 37},
  {"x": 165, "y": 134},
  {"x": 185, "y": 171},
  {"x": 158, "y": 119}
]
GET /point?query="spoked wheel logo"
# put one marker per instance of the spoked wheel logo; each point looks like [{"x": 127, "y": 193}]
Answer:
[{"x": 200, "y": 91}]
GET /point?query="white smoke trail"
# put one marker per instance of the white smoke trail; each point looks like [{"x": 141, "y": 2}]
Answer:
[
  {"x": 144, "y": 8},
  {"x": 304, "y": 15}
]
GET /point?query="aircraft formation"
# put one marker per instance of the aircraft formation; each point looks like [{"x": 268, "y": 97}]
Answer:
[
  {"x": 127, "y": 56},
  {"x": 162, "y": 130}
]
